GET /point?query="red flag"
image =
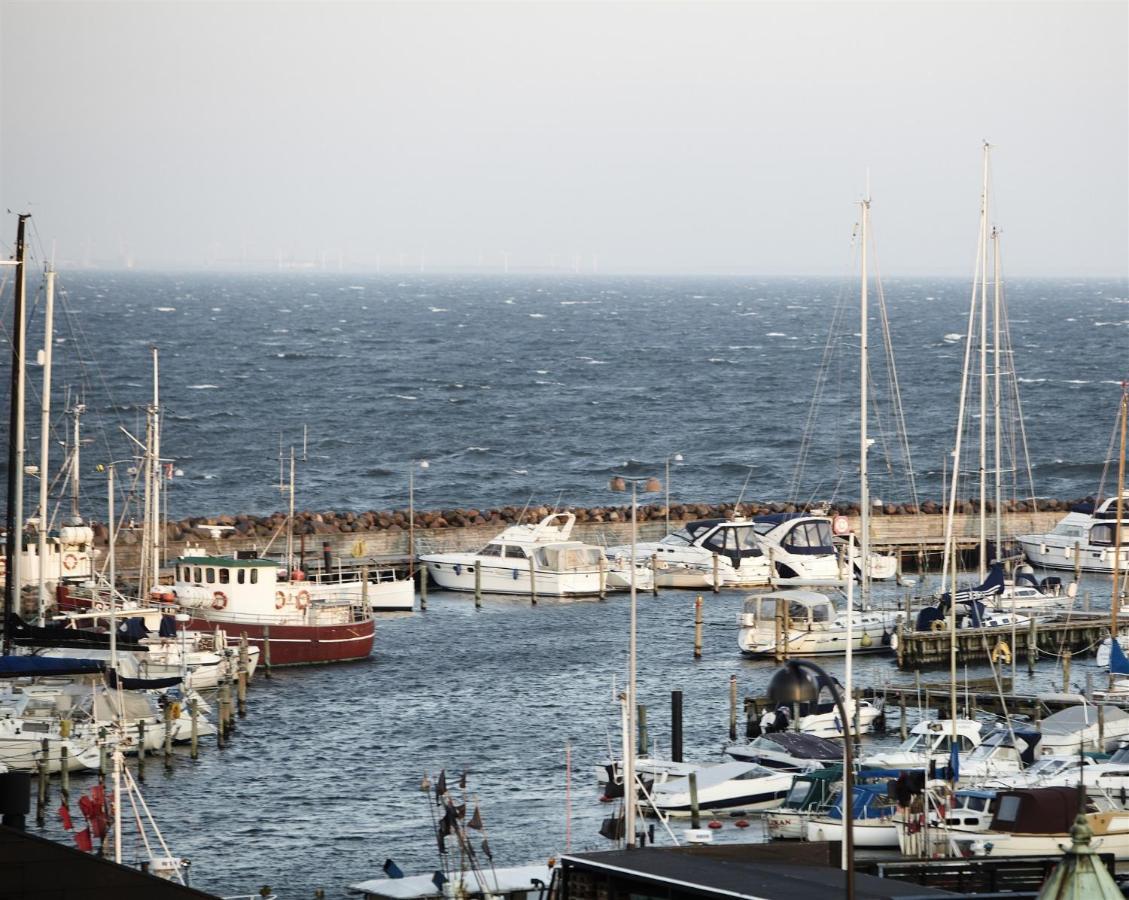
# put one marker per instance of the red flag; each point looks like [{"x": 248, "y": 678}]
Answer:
[
  {"x": 65, "y": 815},
  {"x": 87, "y": 807},
  {"x": 82, "y": 840}
]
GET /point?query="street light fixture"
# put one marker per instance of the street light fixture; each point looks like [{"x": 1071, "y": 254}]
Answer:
[
  {"x": 794, "y": 684},
  {"x": 650, "y": 485},
  {"x": 677, "y": 457},
  {"x": 423, "y": 464}
]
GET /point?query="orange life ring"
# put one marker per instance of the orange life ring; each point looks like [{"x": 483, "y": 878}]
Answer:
[
  {"x": 302, "y": 599},
  {"x": 70, "y": 561},
  {"x": 279, "y": 599},
  {"x": 219, "y": 600}
]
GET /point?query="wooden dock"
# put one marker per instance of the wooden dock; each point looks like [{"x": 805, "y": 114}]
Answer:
[{"x": 1076, "y": 634}]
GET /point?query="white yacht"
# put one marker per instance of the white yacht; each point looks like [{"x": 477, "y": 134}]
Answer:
[
  {"x": 929, "y": 741},
  {"x": 728, "y": 787},
  {"x": 742, "y": 552},
  {"x": 1083, "y": 538},
  {"x": 538, "y": 556},
  {"x": 1081, "y": 728},
  {"x": 809, "y": 624}
]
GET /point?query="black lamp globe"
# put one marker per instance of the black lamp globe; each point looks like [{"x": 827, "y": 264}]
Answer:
[{"x": 791, "y": 684}]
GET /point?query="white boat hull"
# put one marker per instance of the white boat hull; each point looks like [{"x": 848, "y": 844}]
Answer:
[{"x": 865, "y": 833}]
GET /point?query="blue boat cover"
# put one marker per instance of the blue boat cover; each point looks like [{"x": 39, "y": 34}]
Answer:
[{"x": 19, "y": 666}]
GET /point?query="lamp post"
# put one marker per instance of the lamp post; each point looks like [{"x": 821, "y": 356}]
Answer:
[
  {"x": 423, "y": 464},
  {"x": 677, "y": 457},
  {"x": 794, "y": 684},
  {"x": 619, "y": 483}
]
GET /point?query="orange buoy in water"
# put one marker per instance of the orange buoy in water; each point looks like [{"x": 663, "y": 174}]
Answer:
[{"x": 715, "y": 824}]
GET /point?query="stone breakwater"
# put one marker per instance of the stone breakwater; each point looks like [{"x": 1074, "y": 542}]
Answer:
[{"x": 329, "y": 523}]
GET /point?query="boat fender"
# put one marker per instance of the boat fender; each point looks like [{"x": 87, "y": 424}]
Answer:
[
  {"x": 515, "y": 574},
  {"x": 302, "y": 599},
  {"x": 219, "y": 600},
  {"x": 70, "y": 561},
  {"x": 458, "y": 569},
  {"x": 938, "y": 625},
  {"x": 279, "y": 599},
  {"x": 866, "y": 640},
  {"x": 715, "y": 824},
  {"x": 1001, "y": 651},
  {"x": 742, "y": 823}
]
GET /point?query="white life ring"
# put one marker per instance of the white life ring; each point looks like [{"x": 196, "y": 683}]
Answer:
[
  {"x": 840, "y": 525},
  {"x": 70, "y": 561}
]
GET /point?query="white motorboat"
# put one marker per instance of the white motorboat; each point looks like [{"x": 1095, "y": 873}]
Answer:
[
  {"x": 810, "y": 625},
  {"x": 929, "y": 741},
  {"x": 1081, "y": 728},
  {"x": 1084, "y": 538},
  {"x": 1002, "y": 752},
  {"x": 648, "y": 770},
  {"x": 788, "y": 751},
  {"x": 1037, "y": 822},
  {"x": 729, "y": 787},
  {"x": 742, "y": 552},
  {"x": 809, "y": 797},
  {"x": 1025, "y": 593},
  {"x": 1045, "y": 771},
  {"x": 542, "y": 557},
  {"x": 487, "y": 883},
  {"x": 873, "y": 818}
]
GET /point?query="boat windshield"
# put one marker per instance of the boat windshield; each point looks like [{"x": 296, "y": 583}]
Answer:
[
  {"x": 754, "y": 772},
  {"x": 680, "y": 538},
  {"x": 1065, "y": 529},
  {"x": 1121, "y": 756},
  {"x": 797, "y": 793},
  {"x": 913, "y": 742}
]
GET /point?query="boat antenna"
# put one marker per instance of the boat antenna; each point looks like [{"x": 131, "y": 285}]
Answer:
[{"x": 741, "y": 496}]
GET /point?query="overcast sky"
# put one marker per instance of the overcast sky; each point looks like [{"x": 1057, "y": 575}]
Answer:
[{"x": 644, "y": 136}]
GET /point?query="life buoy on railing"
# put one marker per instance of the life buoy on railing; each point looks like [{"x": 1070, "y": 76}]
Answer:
[
  {"x": 840, "y": 525},
  {"x": 1001, "y": 651},
  {"x": 279, "y": 599},
  {"x": 302, "y": 599},
  {"x": 219, "y": 600},
  {"x": 938, "y": 625},
  {"x": 70, "y": 561},
  {"x": 174, "y": 710}
]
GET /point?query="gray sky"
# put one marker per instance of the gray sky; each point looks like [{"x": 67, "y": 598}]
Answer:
[{"x": 662, "y": 137}]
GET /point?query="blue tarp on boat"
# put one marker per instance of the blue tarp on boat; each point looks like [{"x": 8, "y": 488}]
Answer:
[{"x": 20, "y": 666}]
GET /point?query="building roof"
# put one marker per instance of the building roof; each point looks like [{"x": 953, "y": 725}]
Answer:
[{"x": 740, "y": 871}]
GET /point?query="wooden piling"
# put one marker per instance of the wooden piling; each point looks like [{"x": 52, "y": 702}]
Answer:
[
  {"x": 423, "y": 576},
  {"x": 194, "y": 712},
  {"x": 1101, "y": 728},
  {"x": 140, "y": 749},
  {"x": 901, "y": 647},
  {"x": 1032, "y": 646},
  {"x": 266, "y": 650},
  {"x": 1077, "y": 561},
  {"x": 603, "y": 563},
  {"x": 41, "y": 766},
  {"x": 716, "y": 574},
  {"x": 245, "y": 655},
  {"x": 903, "y": 726},
  {"x": 103, "y": 756},
  {"x": 364, "y": 594},
  {"x": 778, "y": 638},
  {"x": 676, "y": 726},
  {"x": 532, "y": 581},
  {"x": 732, "y": 707},
  {"x": 1066, "y": 654},
  {"x": 695, "y": 818},
  {"x": 241, "y": 694},
  {"x": 641, "y": 718},
  {"x": 478, "y": 585},
  {"x": 168, "y": 735},
  {"x": 654, "y": 574},
  {"x": 698, "y": 627},
  {"x": 64, "y": 772}
]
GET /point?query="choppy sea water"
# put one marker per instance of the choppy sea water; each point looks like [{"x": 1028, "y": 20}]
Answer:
[
  {"x": 515, "y": 389},
  {"x": 536, "y": 388}
]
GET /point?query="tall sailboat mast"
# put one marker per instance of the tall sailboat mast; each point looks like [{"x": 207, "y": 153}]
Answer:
[
  {"x": 864, "y": 385},
  {"x": 156, "y": 527},
  {"x": 984, "y": 236},
  {"x": 14, "y": 521},
  {"x": 45, "y": 442},
  {"x": 1115, "y": 606}
]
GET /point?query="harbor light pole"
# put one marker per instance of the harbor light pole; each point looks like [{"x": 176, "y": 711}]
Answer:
[
  {"x": 650, "y": 485},
  {"x": 794, "y": 683}
]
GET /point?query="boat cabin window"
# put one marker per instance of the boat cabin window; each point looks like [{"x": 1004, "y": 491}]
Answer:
[
  {"x": 1066, "y": 530},
  {"x": 944, "y": 744},
  {"x": 254, "y": 576},
  {"x": 198, "y": 576},
  {"x": 809, "y": 537},
  {"x": 1106, "y": 533},
  {"x": 514, "y": 553},
  {"x": 240, "y": 576},
  {"x": 225, "y": 576},
  {"x": 797, "y": 793},
  {"x": 1009, "y": 808},
  {"x": 491, "y": 550},
  {"x": 210, "y": 575}
]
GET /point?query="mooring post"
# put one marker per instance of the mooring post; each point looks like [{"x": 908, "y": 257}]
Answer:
[
  {"x": 64, "y": 772},
  {"x": 478, "y": 585},
  {"x": 716, "y": 574},
  {"x": 654, "y": 574},
  {"x": 899, "y": 636},
  {"x": 732, "y": 707},
  {"x": 266, "y": 650},
  {"x": 1077, "y": 561},
  {"x": 903, "y": 726},
  {"x": 194, "y": 712},
  {"x": 141, "y": 749},
  {"x": 676, "y": 726},
  {"x": 41, "y": 804},
  {"x": 695, "y": 819},
  {"x": 423, "y": 576},
  {"x": 641, "y": 716},
  {"x": 1032, "y": 646},
  {"x": 603, "y": 563},
  {"x": 1101, "y": 728},
  {"x": 103, "y": 755},
  {"x": 168, "y": 736},
  {"x": 698, "y": 627},
  {"x": 1066, "y": 654},
  {"x": 778, "y": 638},
  {"x": 532, "y": 581}
]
